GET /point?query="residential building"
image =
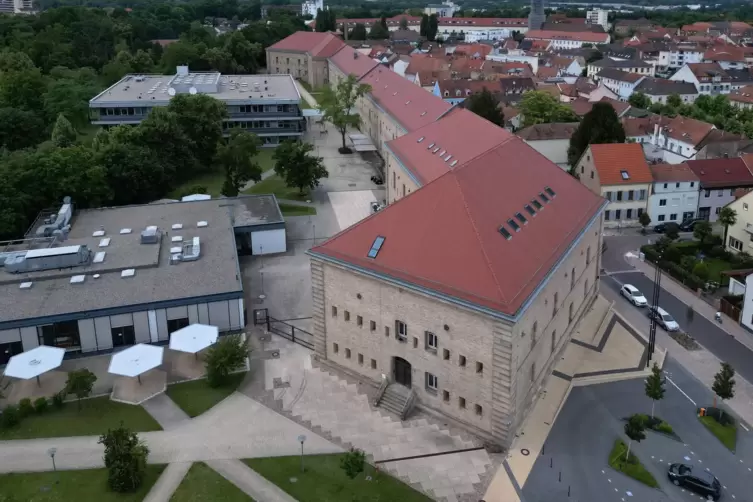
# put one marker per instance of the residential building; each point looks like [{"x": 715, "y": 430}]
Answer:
[
  {"x": 677, "y": 55},
  {"x": 599, "y": 17},
  {"x": 626, "y": 65},
  {"x": 17, "y": 7},
  {"x": 719, "y": 144},
  {"x": 742, "y": 98},
  {"x": 447, "y": 9},
  {"x": 658, "y": 90},
  {"x": 674, "y": 195},
  {"x": 494, "y": 34},
  {"x": 625, "y": 27},
  {"x": 550, "y": 140},
  {"x": 740, "y": 240},
  {"x": 469, "y": 25},
  {"x": 304, "y": 56},
  {"x": 267, "y": 105},
  {"x": 719, "y": 179},
  {"x": 99, "y": 279},
  {"x": 666, "y": 139},
  {"x": 456, "y": 91},
  {"x": 310, "y": 7},
  {"x": 619, "y": 173},
  {"x": 568, "y": 39},
  {"x": 740, "y": 78},
  {"x": 709, "y": 78},
  {"x": 620, "y": 82},
  {"x": 729, "y": 57}
]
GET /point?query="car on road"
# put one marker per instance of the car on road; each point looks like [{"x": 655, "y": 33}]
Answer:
[
  {"x": 696, "y": 480},
  {"x": 663, "y": 318},
  {"x": 689, "y": 225},
  {"x": 633, "y": 295}
]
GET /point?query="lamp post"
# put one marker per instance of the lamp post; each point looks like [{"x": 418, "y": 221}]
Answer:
[
  {"x": 654, "y": 304},
  {"x": 51, "y": 452},
  {"x": 302, "y": 439}
]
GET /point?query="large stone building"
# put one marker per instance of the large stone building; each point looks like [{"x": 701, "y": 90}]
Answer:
[
  {"x": 304, "y": 56},
  {"x": 466, "y": 288}
]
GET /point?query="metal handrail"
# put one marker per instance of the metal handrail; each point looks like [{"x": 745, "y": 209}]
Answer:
[
  {"x": 382, "y": 389},
  {"x": 408, "y": 405}
]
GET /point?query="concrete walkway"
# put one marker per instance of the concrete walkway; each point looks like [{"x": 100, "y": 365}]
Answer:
[
  {"x": 249, "y": 481},
  {"x": 168, "y": 482},
  {"x": 165, "y": 411}
]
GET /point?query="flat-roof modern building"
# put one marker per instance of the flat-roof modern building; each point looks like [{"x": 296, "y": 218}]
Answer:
[
  {"x": 97, "y": 279},
  {"x": 266, "y": 105}
]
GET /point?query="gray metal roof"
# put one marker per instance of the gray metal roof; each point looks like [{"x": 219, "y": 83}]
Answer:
[
  {"x": 255, "y": 210},
  {"x": 664, "y": 87},
  {"x": 155, "y": 279}
]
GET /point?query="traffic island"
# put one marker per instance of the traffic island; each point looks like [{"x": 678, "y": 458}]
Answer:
[
  {"x": 720, "y": 424},
  {"x": 656, "y": 424},
  {"x": 630, "y": 465}
]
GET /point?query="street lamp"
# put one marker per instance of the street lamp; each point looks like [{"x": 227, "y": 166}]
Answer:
[
  {"x": 654, "y": 304},
  {"x": 51, "y": 452},
  {"x": 302, "y": 439}
]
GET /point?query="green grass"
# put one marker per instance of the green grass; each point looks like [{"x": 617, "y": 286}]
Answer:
[
  {"x": 727, "y": 434},
  {"x": 196, "y": 397},
  {"x": 323, "y": 479},
  {"x": 203, "y": 484},
  {"x": 276, "y": 185},
  {"x": 295, "y": 210},
  {"x": 65, "y": 486},
  {"x": 632, "y": 467},
  {"x": 213, "y": 180},
  {"x": 716, "y": 267},
  {"x": 96, "y": 416}
]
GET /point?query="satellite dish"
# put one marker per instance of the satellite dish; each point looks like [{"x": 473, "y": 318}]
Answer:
[
  {"x": 171, "y": 91},
  {"x": 192, "y": 90}
]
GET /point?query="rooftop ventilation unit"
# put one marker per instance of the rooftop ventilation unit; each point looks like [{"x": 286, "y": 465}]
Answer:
[
  {"x": 177, "y": 226},
  {"x": 103, "y": 243},
  {"x": 129, "y": 272},
  {"x": 201, "y": 224},
  {"x": 99, "y": 257},
  {"x": 25, "y": 285},
  {"x": 99, "y": 233},
  {"x": 78, "y": 279},
  {"x": 190, "y": 251},
  {"x": 176, "y": 238},
  {"x": 58, "y": 221},
  {"x": 150, "y": 235},
  {"x": 124, "y": 231},
  {"x": 49, "y": 258}
]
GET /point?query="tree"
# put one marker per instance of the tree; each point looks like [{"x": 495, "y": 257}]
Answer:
[
  {"x": 200, "y": 116},
  {"x": 727, "y": 217},
  {"x": 655, "y": 387},
  {"x": 674, "y": 101},
  {"x": 403, "y": 23},
  {"x": 358, "y": 32},
  {"x": 125, "y": 459},
  {"x": 485, "y": 104},
  {"x": 724, "y": 384},
  {"x": 379, "y": 31},
  {"x": 424, "y": 25},
  {"x": 237, "y": 159},
  {"x": 539, "y": 107},
  {"x": 19, "y": 128},
  {"x": 600, "y": 125},
  {"x": 672, "y": 231},
  {"x": 224, "y": 357},
  {"x": 432, "y": 27},
  {"x": 701, "y": 270},
  {"x": 295, "y": 164},
  {"x": 702, "y": 231},
  {"x": 353, "y": 462},
  {"x": 639, "y": 100},
  {"x": 63, "y": 134},
  {"x": 635, "y": 431},
  {"x": 80, "y": 383},
  {"x": 336, "y": 105},
  {"x": 645, "y": 220}
]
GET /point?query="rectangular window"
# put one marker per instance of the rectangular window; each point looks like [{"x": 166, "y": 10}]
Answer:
[
  {"x": 359, "y": 321},
  {"x": 446, "y": 354},
  {"x": 673, "y": 216},
  {"x": 677, "y": 185},
  {"x": 446, "y": 396},
  {"x": 720, "y": 193},
  {"x": 360, "y": 359},
  {"x": 735, "y": 244},
  {"x": 376, "y": 246},
  {"x": 661, "y": 217},
  {"x": 461, "y": 361},
  {"x": 617, "y": 214},
  {"x": 386, "y": 331},
  {"x": 642, "y": 195},
  {"x": 662, "y": 202},
  {"x": 629, "y": 214},
  {"x": 707, "y": 193},
  {"x": 347, "y": 353},
  {"x": 619, "y": 196},
  {"x": 431, "y": 341},
  {"x": 346, "y": 315},
  {"x": 415, "y": 342},
  {"x": 401, "y": 331},
  {"x": 479, "y": 367},
  {"x": 431, "y": 382},
  {"x": 607, "y": 215},
  {"x": 373, "y": 364},
  {"x": 479, "y": 410},
  {"x": 372, "y": 325},
  {"x": 174, "y": 325},
  {"x": 631, "y": 193},
  {"x": 609, "y": 195},
  {"x": 665, "y": 185},
  {"x": 335, "y": 348},
  {"x": 334, "y": 311},
  {"x": 461, "y": 402}
]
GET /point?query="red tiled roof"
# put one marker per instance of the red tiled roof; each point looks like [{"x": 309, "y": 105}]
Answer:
[
  {"x": 707, "y": 70},
  {"x": 729, "y": 53},
  {"x": 582, "y": 106},
  {"x": 715, "y": 173},
  {"x": 584, "y": 36},
  {"x": 545, "y": 72},
  {"x": 426, "y": 62},
  {"x": 445, "y": 236},
  {"x": 352, "y": 62},
  {"x": 742, "y": 95},
  {"x": 672, "y": 172},
  {"x": 470, "y": 49},
  {"x": 317, "y": 44},
  {"x": 406, "y": 102},
  {"x": 680, "y": 128},
  {"x": 611, "y": 159}
]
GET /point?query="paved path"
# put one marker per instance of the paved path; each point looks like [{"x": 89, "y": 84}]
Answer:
[
  {"x": 249, "y": 481},
  {"x": 238, "y": 427},
  {"x": 168, "y": 482},
  {"x": 164, "y": 410}
]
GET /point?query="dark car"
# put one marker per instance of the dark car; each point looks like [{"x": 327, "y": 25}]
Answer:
[
  {"x": 688, "y": 225},
  {"x": 699, "y": 481}
]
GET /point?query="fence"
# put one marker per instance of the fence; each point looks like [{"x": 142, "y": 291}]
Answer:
[
  {"x": 730, "y": 310},
  {"x": 282, "y": 328}
]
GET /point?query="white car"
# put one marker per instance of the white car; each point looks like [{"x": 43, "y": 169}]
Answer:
[
  {"x": 663, "y": 319},
  {"x": 633, "y": 295}
]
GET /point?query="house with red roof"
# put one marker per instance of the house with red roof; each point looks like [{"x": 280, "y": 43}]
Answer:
[
  {"x": 674, "y": 194},
  {"x": 729, "y": 57},
  {"x": 719, "y": 180},
  {"x": 709, "y": 78},
  {"x": 568, "y": 39},
  {"x": 304, "y": 55}
]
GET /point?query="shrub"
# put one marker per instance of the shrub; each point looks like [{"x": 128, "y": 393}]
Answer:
[
  {"x": 688, "y": 263},
  {"x": 10, "y": 417},
  {"x": 25, "y": 408},
  {"x": 688, "y": 248},
  {"x": 664, "y": 427},
  {"x": 58, "y": 400},
  {"x": 352, "y": 462},
  {"x": 224, "y": 357},
  {"x": 650, "y": 253},
  {"x": 701, "y": 270},
  {"x": 125, "y": 458},
  {"x": 41, "y": 405},
  {"x": 720, "y": 252}
]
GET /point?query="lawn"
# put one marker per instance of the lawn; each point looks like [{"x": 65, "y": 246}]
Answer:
[
  {"x": 203, "y": 484},
  {"x": 64, "y": 486},
  {"x": 727, "y": 434},
  {"x": 196, "y": 397},
  {"x": 716, "y": 267},
  {"x": 295, "y": 210},
  {"x": 632, "y": 467},
  {"x": 213, "y": 180},
  {"x": 323, "y": 479},
  {"x": 276, "y": 185},
  {"x": 96, "y": 416}
]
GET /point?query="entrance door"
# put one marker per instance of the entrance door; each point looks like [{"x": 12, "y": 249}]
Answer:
[
  {"x": 8, "y": 350},
  {"x": 402, "y": 371},
  {"x": 123, "y": 336}
]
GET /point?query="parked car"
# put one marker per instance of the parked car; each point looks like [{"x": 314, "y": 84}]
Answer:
[
  {"x": 699, "y": 481},
  {"x": 633, "y": 295},
  {"x": 688, "y": 225},
  {"x": 663, "y": 318}
]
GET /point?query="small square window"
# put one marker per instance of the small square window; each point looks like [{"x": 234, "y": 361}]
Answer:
[
  {"x": 446, "y": 396},
  {"x": 335, "y": 348},
  {"x": 334, "y": 311},
  {"x": 461, "y": 361},
  {"x": 386, "y": 331},
  {"x": 347, "y": 353},
  {"x": 347, "y": 315},
  {"x": 415, "y": 342},
  {"x": 359, "y": 321},
  {"x": 373, "y": 364},
  {"x": 372, "y": 325},
  {"x": 401, "y": 331},
  {"x": 479, "y": 410},
  {"x": 360, "y": 358},
  {"x": 446, "y": 355},
  {"x": 479, "y": 367},
  {"x": 461, "y": 402}
]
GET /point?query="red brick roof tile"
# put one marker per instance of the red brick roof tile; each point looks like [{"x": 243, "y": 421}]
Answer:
[
  {"x": 721, "y": 173},
  {"x": 352, "y": 62},
  {"x": 612, "y": 159},
  {"x": 317, "y": 44}
]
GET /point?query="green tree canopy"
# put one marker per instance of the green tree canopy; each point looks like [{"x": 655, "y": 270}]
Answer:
[
  {"x": 727, "y": 217},
  {"x": 19, "y": 128},
  {"x": 125, "y": 459},
  {"x": 295, "y": 164},
  {"x": 655, "y": 386},
  {"x": 432, "y": 27},
  {"x": 486, "y": 105},
  {"x": 236, "y": 157},
  {"x": 80, "y": 383},
  {"x": 600, "y": 125},
  {"x": 639, "y": 100},
  {"x": 378, "y": 31},
  {"x": 358, "y": 32},
  {"x": 200, "y": 116},
  {"x": 63, "y": 134},
  {"x": 540, "y": 107},
  {"x": 337, "y": 105}
]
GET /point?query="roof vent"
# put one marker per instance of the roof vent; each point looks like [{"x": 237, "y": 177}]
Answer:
[
  {"x": 25, "y": 285},
  {"x": 441, "y": 154},
  {"x": 407, "y": 102},
  {"x": 454, "y": 163},
  {"x": 201, "y": 224},
  {"x": 447, "y": 158},
  {"x": 99, "y": 257},
  {"x": 176, "y": 226},
  {"x": 176, "y": 238},
  {"x": 420, "y": 139},
  {"x": 78, "y": 279},
  {"x": 430, "y": 146},
  {"x": 435, "y": 150},
  {"x": 99, "y": 233},
  {"x": 96, "y": 276},
  {"x": 103, "y": 243},
  {"x": 423, "y": 113},
  {"x": 129, "y": 272},
  {"x": 150, "y": 235},
  {"x": 175, "y": 249},
  {"x": 124, "y": 231}
]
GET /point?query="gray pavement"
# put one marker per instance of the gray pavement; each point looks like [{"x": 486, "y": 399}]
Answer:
[
  {"x": 249, "y": 481},
  {"x": 165, "y": 411},
  {"x": 168, "y": 482}
]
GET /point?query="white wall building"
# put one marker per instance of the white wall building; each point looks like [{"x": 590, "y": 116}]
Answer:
[
  {"x": 674, "y": 195},
  {"x": 709, "y": 78},
  {"x": 676, "y": 56},
  {"x": 489, "y": 34},
  {"x": 311, "y": 6},
  {"x": 598, "y": 16}
]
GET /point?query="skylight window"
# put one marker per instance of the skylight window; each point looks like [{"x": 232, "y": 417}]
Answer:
[
  {"x": 521, "y": 218},
  {"x": 550, "y": 192},
  {"x": 536, "y": 204},
  {"x": 513, "y": 224},
  {"x": 447, "y": 158},
  {"x": 441, "y": 154},
  {"x": 544, "y": 197},
  {"x": 530, "y": 210},
  {"x": 435, "y": 150},
  {"x": 454, "y": 163},
  {"x": 625, "y": 175},
  {"x": 420, "y": 139},
  {"x": 374, "y": 251},
  {"x": 505, "y": 233},
  {"x": 430, "y": 146}
]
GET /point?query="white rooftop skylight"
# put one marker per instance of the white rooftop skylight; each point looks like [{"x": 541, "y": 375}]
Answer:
[
  {"x": 129, "y": 272},
  {"x": 103, "y": 243},
  {"x": 124, "y": 231}
]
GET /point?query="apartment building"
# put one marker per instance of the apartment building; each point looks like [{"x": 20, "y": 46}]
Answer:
[
  {"x": 568, "y": 39},
  {"x": 674, "y": 194},
  {"x": 719, "y": 180},
  {"x": 658, "y": 90},
  {"x": 627, "y": 65},
  {"x": 266, "y": 105},
  {"x": 709, "y": 78},
  {"x": 303, "y": 55},
  {"x": 740, "y": 240},
  {"x": 675, "y": 56},
  {"x": 622, "y": 83}
]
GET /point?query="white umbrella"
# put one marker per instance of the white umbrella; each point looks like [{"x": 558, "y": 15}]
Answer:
[
  {"x": 34, "y": 362},
  {"x": 193, "y": 338},
  {"x": 136, "y": 360}
]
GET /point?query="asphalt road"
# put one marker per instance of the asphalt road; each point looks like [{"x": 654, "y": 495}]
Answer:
[
  {"x": 575, "y": 455},
  {"x": 707, "y": 333}
]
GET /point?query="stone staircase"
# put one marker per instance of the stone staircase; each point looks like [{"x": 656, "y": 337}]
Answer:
[{"x": 395, "y": 399}]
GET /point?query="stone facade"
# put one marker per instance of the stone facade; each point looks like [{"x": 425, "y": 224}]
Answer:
[
  {"x": 398, "y": 182},
  {"x": 312, "y": 70}
]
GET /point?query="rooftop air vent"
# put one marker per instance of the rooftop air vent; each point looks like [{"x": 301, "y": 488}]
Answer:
[
  {"x": 176, "y": 238},
  {"x": 103, "y": 243},
  {"x": 99, "y": 233},
  {"x": 124, "y": 231},
  {"x": 78, "y": 279},
  {"x": 99, "y": 257},
  {"x": 177, "y": 226},
  {"x": 150, "y": 235},
  {"x": 420, "y": 139},
  {"x": 447, "y": 158},
  {"x": 25, "y": 285},
  {"x": 454, "y": 163},
  {"x": 129, "y": 272},
  {"x": 430, "y": 146},
  {"x": 175, "y": 250}
]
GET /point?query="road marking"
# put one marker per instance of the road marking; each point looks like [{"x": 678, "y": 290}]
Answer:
[{"x": 681, "y": 391}]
